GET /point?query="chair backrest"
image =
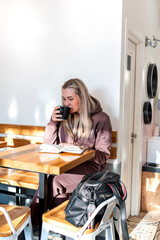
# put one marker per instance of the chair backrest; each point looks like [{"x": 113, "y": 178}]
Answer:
[
  {"x": 8, "y": 219},
  {"x": 12, "y": 218},
  {"x": 110, "y": 205}
]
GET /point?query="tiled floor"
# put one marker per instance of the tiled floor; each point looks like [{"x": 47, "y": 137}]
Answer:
[{"x": 133, "y": 221}]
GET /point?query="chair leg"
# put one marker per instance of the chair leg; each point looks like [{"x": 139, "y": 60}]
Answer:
[
  {"x": 112, "y": 231},
  {"x": 109, "y": 232},
  {"x": 28, "y": 232},
  {"x": 44, "y": 232}
]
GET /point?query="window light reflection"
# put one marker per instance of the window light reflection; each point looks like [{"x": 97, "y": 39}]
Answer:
[
  {"x": 49, "y": 109},
  {"x": 13, "y": 110}
]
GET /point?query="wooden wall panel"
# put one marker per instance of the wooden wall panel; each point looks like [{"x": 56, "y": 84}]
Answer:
[
  {"x": 113, "y": 153},
  {"x": 25, "y": 130},
  {"x": 22, "y": 129},
  {"x": 114, "y": 137}
]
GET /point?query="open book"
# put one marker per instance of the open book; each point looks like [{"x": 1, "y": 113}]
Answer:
[{"x": 54, "y": 148}]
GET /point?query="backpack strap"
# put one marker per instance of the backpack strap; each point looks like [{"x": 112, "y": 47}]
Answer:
[
  {"x": 123, "y": 219},
  {"x": 122, "y": 207}
]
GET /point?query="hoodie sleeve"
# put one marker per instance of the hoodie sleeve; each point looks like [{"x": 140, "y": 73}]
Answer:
[
  {"x": 50, "y": 135},
  {"x": 103, "y": 140}
]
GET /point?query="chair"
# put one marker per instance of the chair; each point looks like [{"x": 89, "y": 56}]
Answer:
[
  {"x": 13, "y": 220},
  {"x": 54, "y": 220}
]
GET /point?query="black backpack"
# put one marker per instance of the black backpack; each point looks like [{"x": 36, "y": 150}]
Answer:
[{"x": 92, "y": 191}]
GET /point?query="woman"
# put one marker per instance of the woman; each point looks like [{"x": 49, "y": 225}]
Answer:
[{"x": 88, "y": 126}]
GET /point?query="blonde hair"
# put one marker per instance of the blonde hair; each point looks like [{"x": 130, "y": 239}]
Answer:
[{"x": 79, "y": 123}]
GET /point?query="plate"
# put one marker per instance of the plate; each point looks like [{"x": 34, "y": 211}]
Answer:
[
  {"x": 147, "y": 112},
  {"x": 152, "y": 80}
]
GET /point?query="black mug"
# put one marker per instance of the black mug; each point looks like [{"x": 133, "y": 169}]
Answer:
[{"x": 64, "y": 111}]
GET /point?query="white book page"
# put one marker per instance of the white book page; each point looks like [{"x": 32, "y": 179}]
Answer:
[
  {"x": 50, "y": 148},
  {"x": 57, "y": 148},
  {"x": 73, "y": 149}
]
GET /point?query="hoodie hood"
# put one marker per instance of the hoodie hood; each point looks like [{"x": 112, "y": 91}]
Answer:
[{"x": 98, "y": 107}]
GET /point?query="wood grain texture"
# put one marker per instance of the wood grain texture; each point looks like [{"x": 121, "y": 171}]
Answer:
[
  {"x": 150, "y": 191},
  {"x": 18, "y": 215},
  {"x": 19, "y": 178},
  {"x": 56, "y": 217},
  {"x": 20, "y": 142},
  {"x": 113, "y": 153},
  {"x": 114, "y": 137},
  {"x": 28, "y": 158},
  {"x": 24, "y": 130},
  {"x": 3, "y": 144}
]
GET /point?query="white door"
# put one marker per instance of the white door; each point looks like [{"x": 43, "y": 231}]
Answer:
[{"x": 128, "y": 123}]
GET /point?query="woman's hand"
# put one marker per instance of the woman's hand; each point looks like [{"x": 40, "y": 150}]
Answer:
[{"x": 56, "y": 115}]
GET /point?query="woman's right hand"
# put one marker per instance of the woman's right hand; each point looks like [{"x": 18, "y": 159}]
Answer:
[{"x": 55, "y": 115}]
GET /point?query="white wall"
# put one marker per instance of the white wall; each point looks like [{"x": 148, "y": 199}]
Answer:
[
  {"x": 143, "y": 19},
  {"x": 140, "y": 19},
  {"x": 46, "y": 42},
  {"x": 143, "y": 16}
]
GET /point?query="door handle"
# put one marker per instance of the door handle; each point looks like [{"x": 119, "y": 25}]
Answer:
[{"x": 133, "y": 135}]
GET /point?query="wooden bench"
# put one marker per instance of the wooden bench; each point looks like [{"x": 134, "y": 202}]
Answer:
[
  {"x": 24, "y": 179},
  {"x": 114, "y": 146},
  {"x": 3, "y": 144},
  {"x": 34, "y": 134},
  {"x": 19, "y": 178},
  {"x": 19, "y": 181},
  {"x": 18, "y": 135}
]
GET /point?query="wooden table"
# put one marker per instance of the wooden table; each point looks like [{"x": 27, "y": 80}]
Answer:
[{"x": 28, "y": 158}]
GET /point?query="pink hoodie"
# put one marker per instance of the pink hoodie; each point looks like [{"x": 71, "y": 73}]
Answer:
[{"x": 99, "y": 139}]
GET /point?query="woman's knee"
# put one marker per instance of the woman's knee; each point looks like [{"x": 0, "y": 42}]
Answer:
[{"x": 58, "y": 187}]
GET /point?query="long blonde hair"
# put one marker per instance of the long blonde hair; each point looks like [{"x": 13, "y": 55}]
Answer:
[{"x": 79, "y": 124}]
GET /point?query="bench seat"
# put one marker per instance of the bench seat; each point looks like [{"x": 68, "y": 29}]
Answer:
[
  {"x": 3, "y": 144},
  {"x": 19, "y": 178}
]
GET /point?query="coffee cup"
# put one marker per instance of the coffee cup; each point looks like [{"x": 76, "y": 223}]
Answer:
[{"x": 64, "y": 111}]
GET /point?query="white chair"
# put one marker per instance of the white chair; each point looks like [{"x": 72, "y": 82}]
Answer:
[
  {"x": 13, "y": 220},
  {"x": 54, "y": 220}
]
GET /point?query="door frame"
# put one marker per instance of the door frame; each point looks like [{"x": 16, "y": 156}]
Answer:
[
  {"x": 128, "y": 129},
  {"x": 137, "y": 150}
]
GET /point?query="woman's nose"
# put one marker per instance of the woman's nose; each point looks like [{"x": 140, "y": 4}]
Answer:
[{"x": 67, "y": 103}]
